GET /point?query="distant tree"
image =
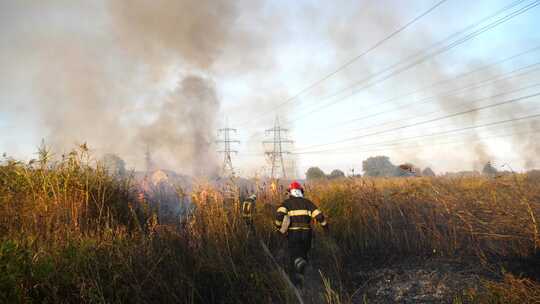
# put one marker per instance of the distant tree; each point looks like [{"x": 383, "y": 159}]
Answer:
[
  {"x": 378, "y": 166},
  {"x": 315, "y": 173},
  {"x": 336, "y": 174},
  {"x": 114, "y": 164},
  {"x": 428, "y": 172},
  {"x": 489, "y": 169}
]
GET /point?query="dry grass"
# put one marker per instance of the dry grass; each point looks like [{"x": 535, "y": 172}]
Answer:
[
  {"x": 509, "y": 290},
  {"x": 513, "y": 290},
  {"x": 479, "y": 217},
  {"x": 492, "y": 222},
  {"x": 69, "y": 232}
]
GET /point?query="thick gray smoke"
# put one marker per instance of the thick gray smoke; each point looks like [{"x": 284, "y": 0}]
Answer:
[
  {"x": 518, "y": 133},
  {"x": 125, "y": 76},
  {"x": 185, "y": 127},
  {"x": 122, "y": 76},
  {"x": 194, "y": 32}
]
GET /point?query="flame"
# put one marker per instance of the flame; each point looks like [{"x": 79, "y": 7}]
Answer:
[{"x": 159, "y": 177}]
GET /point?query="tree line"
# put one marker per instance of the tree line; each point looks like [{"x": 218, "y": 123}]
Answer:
[{"x": 381, "y": 166}]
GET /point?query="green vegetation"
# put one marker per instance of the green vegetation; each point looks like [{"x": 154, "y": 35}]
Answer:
[
  {"x": 336, "y": 173},
  {"x": 315, "y": 173}
]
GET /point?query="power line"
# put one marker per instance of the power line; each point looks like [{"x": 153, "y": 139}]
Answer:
[
  {"x": 441, "y": 144},
  {"x": 394, "y": 142},
  {"x": 460, "y": 104},
  {"x": 437, "y": 111},
  {"x": 356, "y": 58},
  {"x": 422, "y": 53},
  {"x": 428, "y": 121},
  {"x": 419, "y": 60},
  {"x": 444, "y": 143},
  {"x": 337, "y": 149},
  {"x": 444, "y": 94},
  {"x": 454, "y": 92}
]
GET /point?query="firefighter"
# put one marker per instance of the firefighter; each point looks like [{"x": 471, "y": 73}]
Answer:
[
  {"x": 299, "y": 212},
  {"x": 248, "y": 210}
]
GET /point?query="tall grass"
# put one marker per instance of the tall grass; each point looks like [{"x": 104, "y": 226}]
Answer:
[
  {"x": 50, "y": 200},
  {"x": 70, "y": 232},
  {"x": 493, "y": 222},
  {"x": 486, "y": 218}
]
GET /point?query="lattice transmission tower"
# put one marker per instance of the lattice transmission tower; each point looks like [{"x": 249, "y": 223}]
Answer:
[
  {"x": 149, "y": 164},
  {"x": 227, "y": 168},
  {"x": 275, "y": 155}
]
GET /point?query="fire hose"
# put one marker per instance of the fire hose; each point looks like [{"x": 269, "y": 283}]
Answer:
[{"x": 282, "y": 272}]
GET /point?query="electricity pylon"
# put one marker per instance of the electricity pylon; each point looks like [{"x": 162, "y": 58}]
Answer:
[
  {"x": 148, "y": 160},
  {"x": 227, "y": 168},
  {"x": 275, "y": 156}
]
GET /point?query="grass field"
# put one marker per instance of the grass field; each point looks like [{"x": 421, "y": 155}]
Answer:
[{"x": 69, "y": 232}]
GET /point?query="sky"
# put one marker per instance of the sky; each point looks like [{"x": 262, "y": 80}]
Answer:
[{"x": 163, "y": 76}]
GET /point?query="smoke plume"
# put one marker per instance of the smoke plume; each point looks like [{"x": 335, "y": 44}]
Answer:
[
  {"x": 185, "y": 131},
  {"x": 127, "y": 76},
  {"x": 122, "y": 76}
]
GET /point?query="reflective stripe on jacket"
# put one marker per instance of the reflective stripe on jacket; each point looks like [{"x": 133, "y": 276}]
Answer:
[
  {"x": 248, "y": 208},
  {"x": 300, "y": 212}
]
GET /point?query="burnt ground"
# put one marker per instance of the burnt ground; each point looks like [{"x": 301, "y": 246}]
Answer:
[
  {"x": 432, "y": 279},
  {"x": 435, "y": 280},
  {"x": 411, "y": 280}
]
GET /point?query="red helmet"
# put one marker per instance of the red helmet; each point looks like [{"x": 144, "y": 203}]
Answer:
[{"x": 295, "y": 185}]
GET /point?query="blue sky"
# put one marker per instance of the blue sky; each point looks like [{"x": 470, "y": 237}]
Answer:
[{"x": 276, "y": 49}]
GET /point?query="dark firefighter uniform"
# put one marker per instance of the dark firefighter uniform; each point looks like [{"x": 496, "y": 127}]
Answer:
[
  {"x": 301, "y": 212},
  {"x": 248, "y": 209}
]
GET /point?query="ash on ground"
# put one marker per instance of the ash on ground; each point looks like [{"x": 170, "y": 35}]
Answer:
[{"x": 432, "y": 281}]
